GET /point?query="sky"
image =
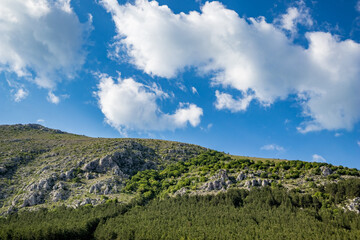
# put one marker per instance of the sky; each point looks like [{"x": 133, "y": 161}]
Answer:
[{"x": 277, "y": 79}]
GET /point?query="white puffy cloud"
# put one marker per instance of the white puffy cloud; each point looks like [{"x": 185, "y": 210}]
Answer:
[
  {"x": 273, "y": 147},
  {"x": 253, "y": 56},
  {"x": 318, "y": 158},
  {"x": 194, "y": 90},
  {"x": 20, "y": 94},
  {"x": 226, "y": 101},
  {"x": 130, "y": 105},
  {"x": 294, "y": 16},
  {"x": 53, "y": 98},
  {"x": 41, "y": 40}
]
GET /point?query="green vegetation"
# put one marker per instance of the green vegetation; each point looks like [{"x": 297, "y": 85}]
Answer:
[
  {"x": 262, "y": 213},
  {"x": 152, "y": 189}
]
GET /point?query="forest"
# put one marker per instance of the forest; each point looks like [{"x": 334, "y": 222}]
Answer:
[{"x": 262, "y": 213}]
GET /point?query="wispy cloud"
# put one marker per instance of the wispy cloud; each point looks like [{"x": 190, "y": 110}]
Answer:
[
  {"x": 273, "y": 147},
  {"x": 40, "y": 121},
  {"x": 318, "y": 158},
  {"x": 294, "y": 16}
]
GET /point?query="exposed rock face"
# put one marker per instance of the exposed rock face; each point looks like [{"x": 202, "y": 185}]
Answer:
[
  {"x": 44, "y": 184},
  {"x": 257, "y": 183},
  {"x": 33, "y": 199},
  {"x": 253, "y": 183},
  {"x": 180, "y": 192},
  {"x": 265, "y": 182},
  {"x": 58, "y": 195},
  {"x": 121, "y": 163},
  {"x": 325, "y": 171},
  {"x": 354, "y": 205},
  {"x": 241, "y": 177},
  {"x": 221, "y": 182},
  {"x": 60, "y": 192},
  {"x": 105, "y": 187}
]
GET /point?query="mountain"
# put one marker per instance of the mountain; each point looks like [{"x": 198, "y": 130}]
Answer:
[
  {"x": 42, "y": 166},
  {"x": 44, "y": 169}
]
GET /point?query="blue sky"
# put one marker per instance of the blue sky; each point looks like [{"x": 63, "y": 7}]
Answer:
[{"x": 258, "y": 78}]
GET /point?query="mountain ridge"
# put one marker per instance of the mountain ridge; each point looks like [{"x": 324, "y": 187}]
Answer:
[{"x": 44, "y": 167}]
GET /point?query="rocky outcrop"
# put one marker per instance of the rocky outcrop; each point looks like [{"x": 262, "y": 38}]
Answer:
[
  {"x": 105, "y": 187},
  {"x": 220, "y": 182},
  {"x": 34, "y": 198},
  {"x": 44, "y": 184},
  {"x": 58, "y": 195},
  {"x": 86, "y": 201},
  {"x": 325, "y": 171},
  {"x": 180, "y": 192},
  {"x": 121, "y": 163},
  {"x": 257, "y": 183},
  {"x": 60, "y": 192},
  {"x": 354, "y": 205},
  {"x": 241, "y": 177}
]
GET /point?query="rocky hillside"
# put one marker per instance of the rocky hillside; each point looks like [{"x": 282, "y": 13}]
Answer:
[
  {"x": 42, "y": 167},
  {"x": 46, "y": 167}
]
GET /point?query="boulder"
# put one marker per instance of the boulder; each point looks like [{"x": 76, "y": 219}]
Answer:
[
  {"x": 59, "y": 194},
  {"x": 33, "y": 199},
  {"x": 354, "y": 205},
  {"x": 265, "y": 182},
  {"x": 241, "y": 176},
  {"x": 325, "y": 171},
  {"x": 180, "y": 192},
  {"x": 253, "y": 183}
]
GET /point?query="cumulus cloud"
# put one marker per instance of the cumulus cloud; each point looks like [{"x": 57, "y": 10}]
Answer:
[
  {"x": 253, "y": 56},
  {"x": 20, "y": 94},
  {"x": 318, "y": 158},
  {"x": 53, "y": 98},
  {"x": 194, "y": 91},
  {"x": 130, "y": 105},
  {"x": 273, "y": 147},
  {"x": 294, "y": 16},
  {"x": 226, "y": 101},
  {"x": 41, "y": 40}
]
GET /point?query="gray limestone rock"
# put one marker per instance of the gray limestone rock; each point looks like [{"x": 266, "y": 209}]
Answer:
[
  {"x": 33, "y": 199},
  {"x": 265, "y": 182},
  {"x": 325, "y": 171},
  {"x": 241, "y": 176},
  {"x": 354, "y": 205},
  {"x": 59, "y": 194}
]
